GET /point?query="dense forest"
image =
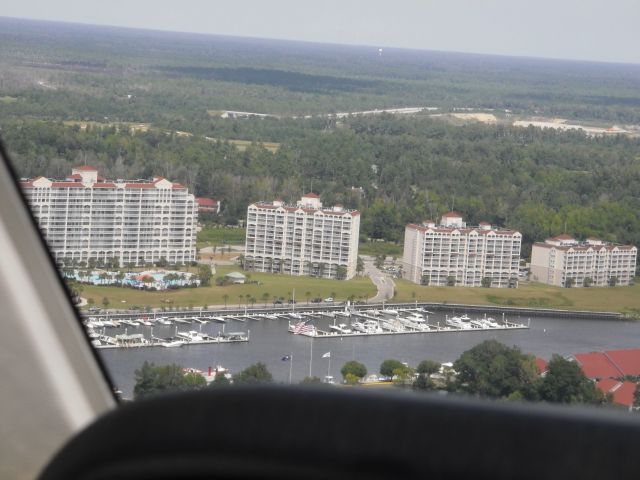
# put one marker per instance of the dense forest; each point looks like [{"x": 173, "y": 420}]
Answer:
[
  {"x": 137, "y": 104},
  {"x": 397, "y": 170}
]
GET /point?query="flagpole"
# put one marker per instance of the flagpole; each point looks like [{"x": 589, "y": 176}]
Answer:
[
  {"x": 329, "y": 367},
  {"x": 310, "y": 357},
  {"x": 290, "y": 366}
]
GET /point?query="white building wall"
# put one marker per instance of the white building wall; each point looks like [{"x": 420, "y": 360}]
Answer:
[
  {"x": 302, "y": 241},
  {"x": 134, "y": 223},
  {"x": 466, "y": 254},
  {"x": 553, "y": 264}
]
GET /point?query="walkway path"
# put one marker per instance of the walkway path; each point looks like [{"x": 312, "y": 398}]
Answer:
[{"x": 383, "y": 282}]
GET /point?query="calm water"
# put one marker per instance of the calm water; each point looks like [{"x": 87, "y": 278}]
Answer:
[{"x": 270, "y": 341}]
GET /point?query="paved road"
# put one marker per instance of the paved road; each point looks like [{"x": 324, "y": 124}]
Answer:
[
  {"x": 383, "y": 282},
  {"x": 239, "y": 249}
]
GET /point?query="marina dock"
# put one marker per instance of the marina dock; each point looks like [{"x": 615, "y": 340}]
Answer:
[
  {"x": 183, "y": 328},
  {"x": 404, "y": 321}
]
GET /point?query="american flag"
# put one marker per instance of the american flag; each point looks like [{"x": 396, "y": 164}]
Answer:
[{"x": 303, "y": 327}]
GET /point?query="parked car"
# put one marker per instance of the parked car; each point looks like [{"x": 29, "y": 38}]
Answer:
[{"x": 329, "y": 300}]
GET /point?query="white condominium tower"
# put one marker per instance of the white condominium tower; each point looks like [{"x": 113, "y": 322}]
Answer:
[
  {"x": 85, "y": 218},
  {"x": 305, "y": 239},
  {"x": 454, "y": 254},
  {"x": 565, "y": 262}
]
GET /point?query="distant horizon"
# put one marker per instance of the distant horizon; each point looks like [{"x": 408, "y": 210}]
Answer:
[{"x": 339, "y": 42}]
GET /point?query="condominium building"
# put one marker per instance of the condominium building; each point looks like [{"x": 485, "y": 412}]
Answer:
[
  {"x": 85, "y": 217},
  {"x": 453, "y": 254},
  {"x": 302, "y": 239},
  {"x": 564, "y": 261}
]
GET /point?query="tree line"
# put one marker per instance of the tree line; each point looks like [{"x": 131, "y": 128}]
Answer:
[
  {"x": 396, "y": 170},
  {"x": 488, "y": 370}
]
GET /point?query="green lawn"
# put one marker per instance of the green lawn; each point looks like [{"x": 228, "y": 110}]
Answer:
[
  {"x": 388, "y": 249},
  {"x": 219, "y": 236},
  {"x": 536, "y": 295},
  {"x": 274, "y": 285}
]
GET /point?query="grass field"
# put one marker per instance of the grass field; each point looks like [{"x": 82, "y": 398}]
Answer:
[
  {"x": 535, "y": 295},
  {"x": 219, "y": 236},
  {"x": 273, "y": 285},
  {"x": 388, "y": 249},
  {"x": 141, "y": 127},
  {"x": 7, "y": 99},
  {"x": 242, "y": 145}
]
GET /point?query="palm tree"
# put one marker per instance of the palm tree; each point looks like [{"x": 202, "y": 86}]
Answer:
[
  {"x": 103, "y": 277},
  {"x": 265, "y": 297},
  {"x": 240, "y": 297},
  {"x": 225, "y": 297},
  {"x": 308, "y": 295},
  {"x": 359, "y": 266},
  {"x": 333, "y": 295}
]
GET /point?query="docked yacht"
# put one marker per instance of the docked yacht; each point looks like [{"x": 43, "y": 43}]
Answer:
[
  {"x": 191, "y": 336},
  {"x": 359, "y": 327},
  {"x": 392, "y": 325},
  {"x": 341, "y": 329},
  {"x": 373, "y": 326}
]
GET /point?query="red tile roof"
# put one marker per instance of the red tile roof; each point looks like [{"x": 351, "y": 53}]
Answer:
[
  {"x": 206, "y": 202},
  {"x": 67, "y": 184},
  {"x": 451, "y": 214},
  {"x": 597, "y": 365},
  {"x": 75, "y": 176},
  {"x": 628, "y": 361},
  {"x": 463, "y": 231},
  {"x": 177, "y": 185},
  {"x": 584, "y": 248},
  {"x": 104, "y": 185},
  {"x": 139, "y": 185},
  {"x": 622, "y": 392},
  {"x": 541, "y": 364},
  {"x": 310, "y": 195},
  {"x": 86, "y": 168},
  {"x": 563, "y": 236}
]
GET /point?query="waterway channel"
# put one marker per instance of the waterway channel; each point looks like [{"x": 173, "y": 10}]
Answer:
[{"x": 270, "y": 342}]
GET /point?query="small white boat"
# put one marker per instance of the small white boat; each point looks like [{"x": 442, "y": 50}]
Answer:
[
  {"x": 373, "y": 326},
  {"x": 191, "y": 336},
  {"x": 359, "y": 327},
  {"x": 341, "y": 329},
  {"x": 392, "y": 325},
  {"x": 173, "y": 343}
]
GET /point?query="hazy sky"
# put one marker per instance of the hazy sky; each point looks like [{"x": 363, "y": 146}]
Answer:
[{"x": 607, "y": 30}]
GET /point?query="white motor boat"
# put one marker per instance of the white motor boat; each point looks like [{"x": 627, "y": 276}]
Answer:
[
  {"x": 191, "y": 336},
  {"x": 341, "y": 328},
  {"x": 359, "y": 327}
]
